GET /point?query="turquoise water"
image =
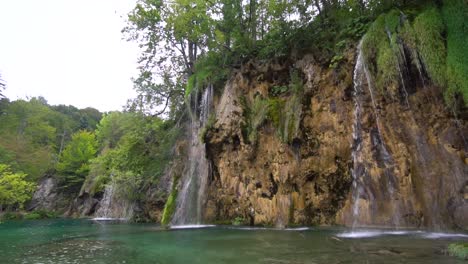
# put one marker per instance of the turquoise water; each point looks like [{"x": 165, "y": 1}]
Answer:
[{"x": 86, "y": 241}]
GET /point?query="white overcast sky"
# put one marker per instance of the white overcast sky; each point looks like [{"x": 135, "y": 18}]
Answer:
[{"x": 69, "y": 51}]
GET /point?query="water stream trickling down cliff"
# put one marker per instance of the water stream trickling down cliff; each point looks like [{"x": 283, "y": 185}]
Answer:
[
  {"x": 362, "y": 164},
  {"x": 113, "y": 207},
  {"x": 194, "y": 179}
]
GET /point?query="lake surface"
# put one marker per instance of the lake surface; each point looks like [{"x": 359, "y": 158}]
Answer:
[{"x": 87, "y": 241}]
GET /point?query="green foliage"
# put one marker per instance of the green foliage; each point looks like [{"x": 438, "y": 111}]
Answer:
[
  {"x": 459, "y": 250},
  {"x": 283, "y": 112},
  {"x": 209, "y": 125},
  {"x": 170, "y": 206},
  {"x": 14, "y": 189},
  {"x": 379, "y": 45},
  {"x": 33, "y": 133},
  {"x": 12, "y": 216},
  {"x": 40, "y": 214},
  {"x": 238, "y": 221},
  {"x": 336, "y": 60},
  {"x": 135, "y": 150},
  {"x": 113, "y": 126},
  {"x": 455, "y": 15},
  {"x": 255, "y": 114},
  {"x": 285, "y": 115},
  {"x": 212, "y": 68},
  {"x": 429, "y": 29},
  {"x": 128, "y": 185},
  {"x": 444, "y": 60},
  {"x": 278, "y": 90},
  {"x": 73, "y": 166}
]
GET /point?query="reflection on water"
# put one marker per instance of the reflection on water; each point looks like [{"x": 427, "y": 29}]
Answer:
[{"x": 85, "y": 241}]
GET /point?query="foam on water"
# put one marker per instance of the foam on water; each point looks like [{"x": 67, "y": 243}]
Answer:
[
  {"x": 108, "y": 219},
  {"x": 444, "y": 235},
  {"x": 377, "y": 233},
  {"x": 298, "y": 229},
  {"x": 190, "y": 226}
]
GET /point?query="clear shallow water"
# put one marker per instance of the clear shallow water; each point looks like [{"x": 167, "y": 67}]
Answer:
[{"x": 85, "y": 241}]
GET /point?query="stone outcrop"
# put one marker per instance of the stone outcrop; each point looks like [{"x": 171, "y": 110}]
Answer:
[{"x": 47, "y": 197}]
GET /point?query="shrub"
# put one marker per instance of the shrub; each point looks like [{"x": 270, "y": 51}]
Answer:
[
  {"x": 40, "y": 214},
  {"x": 12, "y": 216},
  {"x": 238, "y": 221},
  {"x": 459, "y": 250},
  {"x": 14, "y": 189}
]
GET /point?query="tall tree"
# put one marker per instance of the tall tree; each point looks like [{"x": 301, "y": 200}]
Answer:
[
  {"x": 74, "y": 164},
  {"x": 2, "y": 86},
  {"x": 172, "y": 35}
]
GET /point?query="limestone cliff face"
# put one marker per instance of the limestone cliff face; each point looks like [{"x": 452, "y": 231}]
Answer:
[
  {"x": 47, "y": 197},
  {"x": 307, "y": 178}
]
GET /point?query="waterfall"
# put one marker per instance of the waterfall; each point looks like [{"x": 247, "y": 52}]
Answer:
[
  {"x": 104, "y": 210},
  {"x": 113, "y": 207},
  {"x": 368, "y": 151},
  {"x": 357, "y": 169},
  {"x": 194, "y": 180}
]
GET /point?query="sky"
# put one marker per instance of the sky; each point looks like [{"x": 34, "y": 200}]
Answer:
[{"x": 69, "y": 52}]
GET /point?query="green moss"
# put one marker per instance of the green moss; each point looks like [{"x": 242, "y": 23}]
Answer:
[
  {"x": 191, "y": 82},
  {"x": 372, "y": 39},
  {"x": 209, "y": 124},
  {"x": 455, "y": 15},
  {"x": 392, "y": 21},
  {"x": 429, "y": 28},
  {"x": 275, "y": 108},
  {"x": 170, "y": 205},
  {"x": 255, "y": 114},
  {"x": 459, "y": 250},
  {"x": 381, "y": 51}
]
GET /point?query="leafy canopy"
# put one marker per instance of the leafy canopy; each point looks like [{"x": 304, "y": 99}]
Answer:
[
  {"x": 74, "y": 162},
  {"x": 15, "y": 190}
]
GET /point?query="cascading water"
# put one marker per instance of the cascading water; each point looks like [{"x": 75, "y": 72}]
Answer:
[
  {"x": 194, "y": 180},
  {"x": 112, "y": 207},
  {"x": 104, "y": 210},
  {"x": 358, "y": 170},
  {"x": 363, "y": 162}
]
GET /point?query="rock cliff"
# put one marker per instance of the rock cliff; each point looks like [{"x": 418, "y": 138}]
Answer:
[{"x": 413, "y": 162}]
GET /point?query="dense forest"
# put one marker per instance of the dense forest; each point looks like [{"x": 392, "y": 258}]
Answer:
[
  {"x": 74, "y": 145},
  {"x": 190, "y": 45}
]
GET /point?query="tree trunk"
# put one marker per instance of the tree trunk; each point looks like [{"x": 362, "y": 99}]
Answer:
[{"x": 253, "y": 21}]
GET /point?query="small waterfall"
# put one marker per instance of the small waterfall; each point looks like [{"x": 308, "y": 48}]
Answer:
[
  {"x": 363, "y": 162},
  {"x": 104, "y": 210},
  {"x": 358, "y": 170},
  {"x": 283, "y": 207},
  {"x": 112, "y": 207},
  {"x": 194, "y": 180}
]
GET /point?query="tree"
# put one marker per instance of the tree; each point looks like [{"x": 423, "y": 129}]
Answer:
[
  {"x": 74, "y": 163},
  {"x": 2, "y": 87},
  {"x": 172, "y": 34},
  {"x": 14, "y": 189}
]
